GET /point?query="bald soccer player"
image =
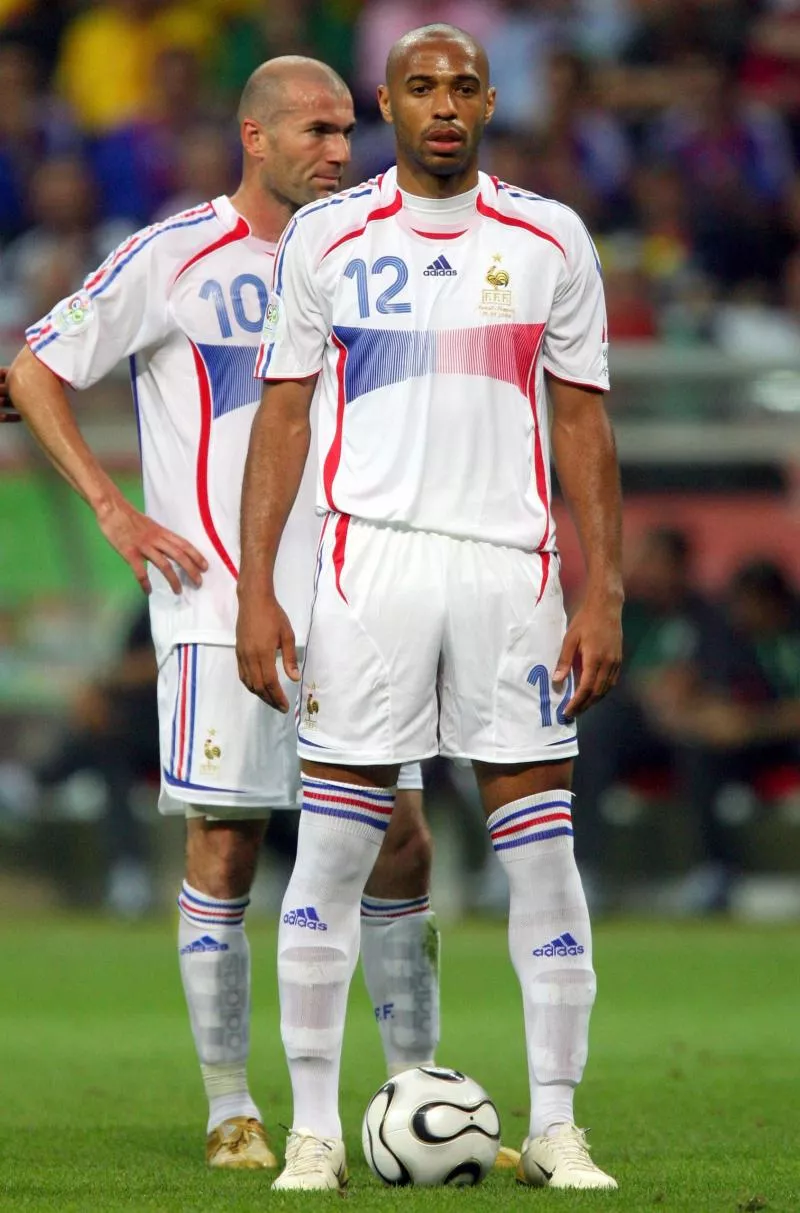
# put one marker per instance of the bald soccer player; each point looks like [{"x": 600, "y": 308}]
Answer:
[
  {"x": 184, "y": 301},
  {"x": 437, "y": 316}
]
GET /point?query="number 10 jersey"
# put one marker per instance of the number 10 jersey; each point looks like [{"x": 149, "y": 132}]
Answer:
[{"x": 184, "y": 302}]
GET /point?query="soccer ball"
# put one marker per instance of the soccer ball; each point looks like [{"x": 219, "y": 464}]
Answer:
[{"x": 431, "y": 1126}]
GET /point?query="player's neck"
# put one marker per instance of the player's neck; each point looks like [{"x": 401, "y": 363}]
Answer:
[
  {"x": 266, "y": 215},
  {"x": 415, "y": 180}
]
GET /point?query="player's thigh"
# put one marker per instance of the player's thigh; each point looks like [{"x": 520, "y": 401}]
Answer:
[
  {"x": 224, "y": 754},
  {"x": 505, "y": 627},
  {"x": 368, "y": 693}
]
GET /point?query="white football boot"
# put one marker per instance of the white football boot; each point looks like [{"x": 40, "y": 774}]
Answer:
[
  {"x": 561, "y": 1160},
  {"x": 313, "y": 1163}
]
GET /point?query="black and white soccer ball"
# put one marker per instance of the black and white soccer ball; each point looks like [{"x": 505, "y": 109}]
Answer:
[{"x": 431, "y": 1126}]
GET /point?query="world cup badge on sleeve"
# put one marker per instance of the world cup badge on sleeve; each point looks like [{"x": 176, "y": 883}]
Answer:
[
  {"x": 73, "y": 314},
  {"x": 272, "y": 318}
]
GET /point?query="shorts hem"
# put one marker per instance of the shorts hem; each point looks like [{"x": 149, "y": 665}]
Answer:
[
  {"x": 510, "y": 757},
  {"x": 324, "y": 756},
  {"x": 172, "y": 805}
]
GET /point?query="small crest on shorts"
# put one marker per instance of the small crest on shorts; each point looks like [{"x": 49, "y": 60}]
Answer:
[
  {"x": 212, "y": 752},
  {"x": 498, "y": 300},
  {"x": 311, "y": 707}
]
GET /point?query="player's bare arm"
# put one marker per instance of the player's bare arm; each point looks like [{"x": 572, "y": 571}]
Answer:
[
  {"x": 585, "y": 458},
  {"x": 276, "y": 458},
  {"x": 7, "y": 411},
  {"x": 39, "y": 396}
]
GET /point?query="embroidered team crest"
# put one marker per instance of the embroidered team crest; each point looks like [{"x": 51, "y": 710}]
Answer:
[
  {"x": 498, "y": 300},
  {"x": 212, "y": 752},
  {"x": 74, "y": 314},
  {"x": 311, "y": 707}
]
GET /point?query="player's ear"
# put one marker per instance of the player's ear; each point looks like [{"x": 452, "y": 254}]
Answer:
[
  {"x": 384, "y": 104},
  {"x": 491, "y": 97},
  {"x": 253, "y": 137}
]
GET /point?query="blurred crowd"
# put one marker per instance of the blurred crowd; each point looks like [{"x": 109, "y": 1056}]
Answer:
[{"x": 672, "y": 126}]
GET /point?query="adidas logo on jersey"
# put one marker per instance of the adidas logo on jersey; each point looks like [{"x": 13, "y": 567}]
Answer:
[
  {"x": 565, "y": 945},
  {"x": 440, "y": 268},
  {"x": 307, "y": 917},
  {"x": 206, "y": 944}
]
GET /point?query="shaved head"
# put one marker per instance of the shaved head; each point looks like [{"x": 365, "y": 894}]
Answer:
[
  {"x": 295, "y": 119},
  {"x": 281, "y": 85},
  {"x": 405, "y": 47},
  {"x": 438, "y": 98}
]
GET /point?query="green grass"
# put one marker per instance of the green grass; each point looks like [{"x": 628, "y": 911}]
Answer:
[{"x": 693, "y": 1087}]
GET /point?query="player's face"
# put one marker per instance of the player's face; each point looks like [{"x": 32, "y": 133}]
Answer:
[
  {"x": 439, "y": 101},
  {"x": 309, "y": 146}
]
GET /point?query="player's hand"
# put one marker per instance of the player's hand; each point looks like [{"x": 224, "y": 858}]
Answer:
[
  {"x": 262, "y": 631},
  {"x": 138, "y": 539},
  {"x": 593, "y": 642},
  {"x": 7, "y": 410}
]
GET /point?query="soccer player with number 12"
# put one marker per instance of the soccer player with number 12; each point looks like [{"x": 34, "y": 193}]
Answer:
[{"x": 434, "y": 312}]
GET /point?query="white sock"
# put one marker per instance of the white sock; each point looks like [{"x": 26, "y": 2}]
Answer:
[
  {"x": 400, "y": 959},
  {"x": 341, "y": 830},
  {"x": 215, "y": 967},
  {"x": 551, "y": 947}
]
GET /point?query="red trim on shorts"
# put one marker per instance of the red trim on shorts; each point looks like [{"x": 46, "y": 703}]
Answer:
[
  {"x": 339, "y": 542},
  {"x": 182, "y": 724}
]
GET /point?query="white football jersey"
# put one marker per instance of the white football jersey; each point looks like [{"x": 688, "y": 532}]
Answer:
[
  {"x": 432, "y": 347},
  {"x": 184, "y": 301}
]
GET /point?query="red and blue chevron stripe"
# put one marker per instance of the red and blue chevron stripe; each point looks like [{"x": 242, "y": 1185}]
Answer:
[
  {"x": 348, "y": 802},
  {"x": 204, "y": 911},
  {"x": 532, "y": 823},
  {"x": 374, "y": 909}
]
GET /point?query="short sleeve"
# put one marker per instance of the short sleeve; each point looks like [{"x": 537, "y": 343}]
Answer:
[
  {"x": 576, "y": 337},
  {"x": 295, "y": 328},
  {"x": 121, "y": 308}
]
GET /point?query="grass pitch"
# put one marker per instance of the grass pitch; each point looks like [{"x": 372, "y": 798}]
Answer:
[{"x": 692, "y": 1091}]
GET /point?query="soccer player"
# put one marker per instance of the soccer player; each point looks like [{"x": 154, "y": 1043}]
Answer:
[
  {"x": 184, "y": 301},
  {"x": 438, "y": 315}
]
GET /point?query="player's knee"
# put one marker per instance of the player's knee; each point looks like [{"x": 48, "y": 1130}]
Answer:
[
  {"x": 411, "y": 854},
  {"x": 221, "y": 861}
]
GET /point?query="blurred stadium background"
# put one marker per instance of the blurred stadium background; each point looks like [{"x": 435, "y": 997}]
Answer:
[{"x": 673, "y": 127}]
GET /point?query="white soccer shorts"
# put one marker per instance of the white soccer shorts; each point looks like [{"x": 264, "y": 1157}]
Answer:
[
  {"x": 221, "y": 746},
  {"x": 423, "y": 644}
]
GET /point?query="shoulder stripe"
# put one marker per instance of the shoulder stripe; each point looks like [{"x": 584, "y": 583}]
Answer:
[
  {"x": 239, "y": 232},
  {"x": 277, "y": 272},
  {"x": 358, "y": 191},
  {"x": 383, "y": 212},
  {"x": 511, "y": 221},
  {"x": 40, "y": 336},
  {"x": 529, "y": 196},
  {"x": 110, "y": 268}
]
